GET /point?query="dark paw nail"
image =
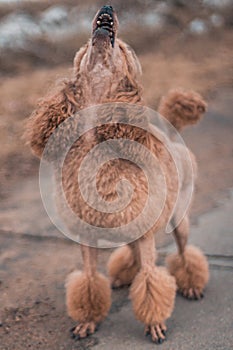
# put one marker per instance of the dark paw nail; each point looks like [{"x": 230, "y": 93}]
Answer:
[
  {"x": 77, "y": 337},
  {"x": 164, "y": 332},
  {"x": 160, "y": 341},
  {"x": 116, "y": 287},
  {"x": 72, "y": 329}
]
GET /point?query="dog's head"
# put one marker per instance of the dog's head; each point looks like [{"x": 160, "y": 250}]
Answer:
[
  {"x": 105, "y": 26},
  {"x": 106, "y": 62}
]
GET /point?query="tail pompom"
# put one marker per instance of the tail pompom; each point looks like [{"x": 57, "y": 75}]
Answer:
[{"x": 182, "y": 108}]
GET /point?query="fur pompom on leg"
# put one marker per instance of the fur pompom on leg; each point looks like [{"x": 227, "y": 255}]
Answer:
[
  {"x": 88, "y": 300},
  {"x": 122, "y": 267},
  {"x": 153, "y": 294},
  {"x": 182, "y": 107},
  {"x": 190, "y": 271}
]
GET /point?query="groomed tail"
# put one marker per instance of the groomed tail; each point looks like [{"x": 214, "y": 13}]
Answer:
[{"x": 182, "y": 108}]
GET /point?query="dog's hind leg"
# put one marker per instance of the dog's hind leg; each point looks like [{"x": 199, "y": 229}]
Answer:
[
  {"x": 122, "y": 266},
  {"x": 189, "y": 265},
  {"x": 88, "y": 295},
  {"x": 152, "y": 291}
]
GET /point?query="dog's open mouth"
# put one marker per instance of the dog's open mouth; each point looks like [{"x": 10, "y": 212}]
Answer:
[{"x": 104, "y": 25}]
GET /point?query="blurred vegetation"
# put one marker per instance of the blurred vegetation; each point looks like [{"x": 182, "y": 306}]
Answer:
[{"x": 138, "y": 28}]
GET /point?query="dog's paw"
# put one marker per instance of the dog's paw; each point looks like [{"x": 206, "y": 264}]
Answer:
[
  {"x": 122, "y": 267},
  {"x": 83, "y": 330},
  {"x": 153, "y": 295},
  {"x": 157, "y": 332},
  {"x": 87, "y": 298},
  {"x": 190, "y": 271},
  {"x": 192, "y": 293}
]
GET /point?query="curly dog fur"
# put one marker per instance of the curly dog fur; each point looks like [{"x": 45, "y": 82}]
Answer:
[
  {"x": 190, "y": 271},
  {"x": 182, "y": 107},
  {"x": 88, "y": 298},
  {"x": 107, "y": 70},
  {"x": 122, "y": 267},
  {"x": 153, "y": 295}
]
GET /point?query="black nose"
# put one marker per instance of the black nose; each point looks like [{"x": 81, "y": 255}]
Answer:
[{"x": 106, "y": 9}]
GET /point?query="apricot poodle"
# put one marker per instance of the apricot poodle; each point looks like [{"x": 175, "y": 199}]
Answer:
[{"x": 107, "y": 70}]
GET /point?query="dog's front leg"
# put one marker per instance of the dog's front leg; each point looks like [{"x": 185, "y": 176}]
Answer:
[
  {"x": 153, "y": 291},
  {"x": 88, "y": 295}
]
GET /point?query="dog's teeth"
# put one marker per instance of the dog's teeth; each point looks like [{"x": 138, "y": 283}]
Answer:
[
  {"x": 111, "y": 23},
  {"x": 98, "y": 22}
]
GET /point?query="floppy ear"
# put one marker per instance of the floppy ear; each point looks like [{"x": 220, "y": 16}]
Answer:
[
  {"x": 129, "y": 89},
  {"x": 133, "y": 64},
  {"x": 51, "y": 111},
  {"x": 78, "y": 58}
]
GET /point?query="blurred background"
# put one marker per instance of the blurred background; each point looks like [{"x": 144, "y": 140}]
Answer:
[{"x": 180, "y": 43}]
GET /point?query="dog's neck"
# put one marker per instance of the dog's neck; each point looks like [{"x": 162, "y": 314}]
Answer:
[
  {"x": 99, "y": 80},
  {"x": 103, "y": 77},
  {"x": 97, "y": 84},
  {"x": 100, "y": 87}
]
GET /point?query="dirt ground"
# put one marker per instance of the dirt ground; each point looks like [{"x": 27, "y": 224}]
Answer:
[{"x": 34, "y": 258}]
